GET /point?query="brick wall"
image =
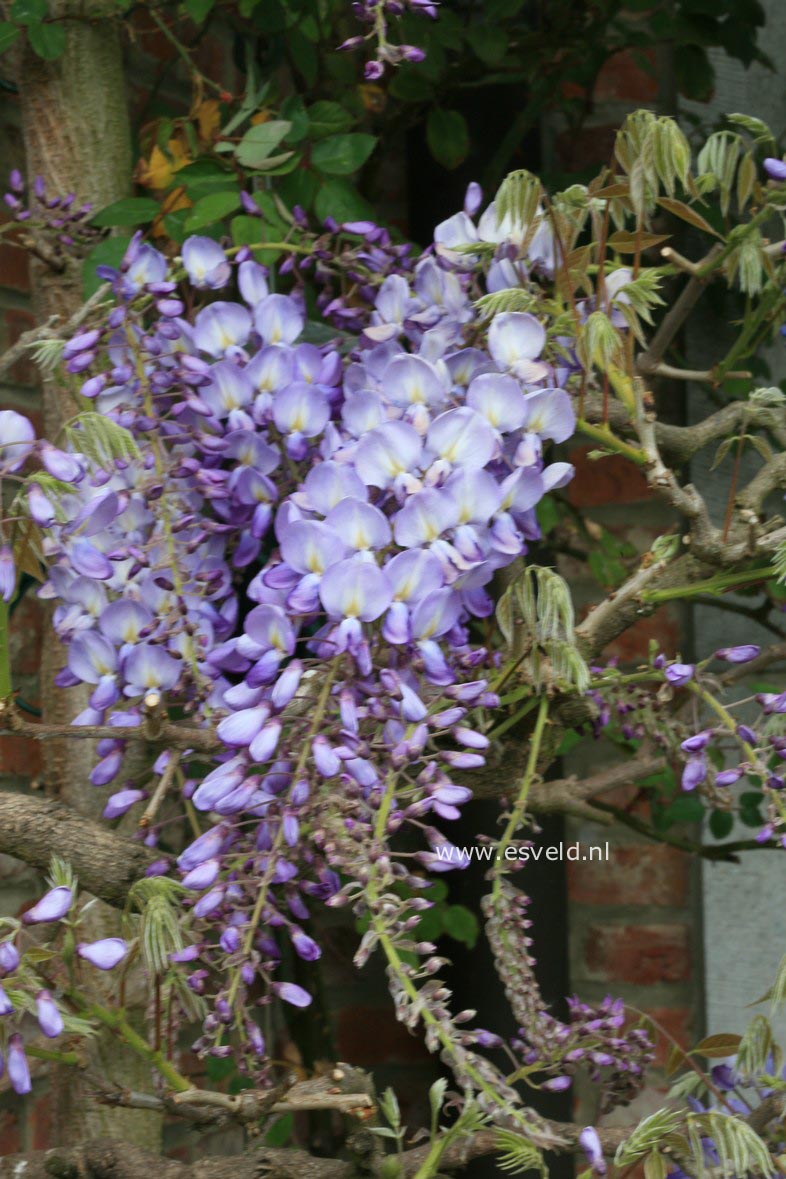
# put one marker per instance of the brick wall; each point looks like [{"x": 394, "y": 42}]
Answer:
[{"x": 634, "y": 919}]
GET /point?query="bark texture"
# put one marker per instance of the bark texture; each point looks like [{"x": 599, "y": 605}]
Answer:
[
  {"x": 77, "y": 137},
  {"x": 105, "y": 863},
  {"x": 115, "y": 1160}
]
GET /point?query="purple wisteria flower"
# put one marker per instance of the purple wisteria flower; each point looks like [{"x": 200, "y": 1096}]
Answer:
[
  {"x": 50, "y": 1020},
  {"x": 53, "y": 906},
  {"x": 105, "y": 954},
  {"x": 7, "y": 573},
  {"x": 205, "y": 263},
  {"x": 9, "y": 957},
  {"x": 17, "y": 438},
  {"x": 775, "y": 169},
  {"x": 742, "y": 654},
  {"x": 679, "y": 674},
  {"x": 18, "y": 1068},
  {"x": 590, "y": 1144}
]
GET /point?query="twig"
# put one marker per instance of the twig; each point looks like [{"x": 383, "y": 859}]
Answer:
[
  {"x": 670, "y": 256},
  {"x": 723, "y": 852},
  {"x": 175, "y": 736},
  {"x": 591, "y": 632},
  {"x": 151, "y": 810},
  {"x": 675, "y": 317},
  {"x": 558, "y": 795},
  {"x": 49, "y": 331},
  {"x": 743, "y": 671},
  {"x": 247, "y": 1104},
  {"x": 706, "y": 376}
]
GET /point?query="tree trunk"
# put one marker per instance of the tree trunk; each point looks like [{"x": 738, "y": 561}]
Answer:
[{"x": 77, "y": 137}]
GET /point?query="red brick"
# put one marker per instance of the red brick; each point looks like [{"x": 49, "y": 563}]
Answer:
[
  {"x": 651, "y": 874},
  {"x": 24, "y": 372},
  {"x": 10, "y": 1137},
  {"x": 14, "y": 268},
  {"x": 41, "y": 1122},
  {"x": 623, "y": 79},
  {"x": 676, "y": 1023},
  {"x": 643, "y": 954},
  {"x": 181, "y": 1153},
  {"x": 609, "y": 480},
  {"x": 633, "y": 645},
  {"x": 214, "y": 59},
  {"x": 20, "y": 756},
  {"x": 586, "y": 148},
  {"x": 369, "y": 1035},
  {"x": 25, "y": 636},
  {"x": 149, "y": 37},
  {"x": 632, "y": 798}
]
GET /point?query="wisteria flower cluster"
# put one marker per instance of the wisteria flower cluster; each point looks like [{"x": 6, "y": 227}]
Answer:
[
  {"x": 59, "y": 224},
  {"x": 713, "y": 746},
  {"x": 377, "y": 14},
  {"x": 290, "y": 546},
  {"x": 22, "y": 989}
]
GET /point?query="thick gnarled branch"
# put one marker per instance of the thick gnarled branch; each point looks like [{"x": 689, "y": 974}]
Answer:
[
  {"x": 106, "y": 864},
  {"x": 118, "y": 1160}
]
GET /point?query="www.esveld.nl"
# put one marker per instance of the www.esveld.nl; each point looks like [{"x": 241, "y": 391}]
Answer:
[{"x": 522, "y": 853}]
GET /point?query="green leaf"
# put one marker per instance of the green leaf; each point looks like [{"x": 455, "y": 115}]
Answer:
[
  {"x": 261, "y": 141},
  {"x": 447, "y": 137},
  {"x": 129, "y": 211},
  {"x": 293, "y": 109},
  {"x": 568, "y": 742},
  {"x": 410, "y": 84},
  {"x": 298, "y": 188},
  {"x": 548, "y": 514},
  {"x": 8, "y": 34},
  {"x": 47, "y": 41},
  {"x": 328, "y": 118},
  {"x": 175, "y": 225},
  {"x": 436, "y": 1095},
  {"x": 721, "y": 824},
  {"x": 273, "y": 214},
  {"x": 755, "y": 127},
  {"x": 101, "y": 439},
  {"x": 504, "y": 9},
  {"x": 250, "y": 231},
  {"x": 304, "y": 54},
  {"x": 28, "y": 12},
  {"x": 281, "y": 164},
  {"x": 720, "y": 1045},
  {"x": 211, "y": 208},
  {"x": 437, "y": 891},
  {"x": 340, "y": 155},
  {"x": 199, "y": 9},
  {"x": 489, "y": 41},
  {"x": 204, "y": 176},
  {"x": 106, "y": 253},
  {"x": 431, "y": 925},
  {"x": 685, "y": 809},
  {"x": 218, "y": 1069},
  {"x": 751, "y": 816},
  {"x": 271, "y": 17},
  {"x": 462, "y": 925},
  {"x": 695, "y": 75},
  {"x": 341, "y": 200},
  {"x": 280, "y": 1132}
]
